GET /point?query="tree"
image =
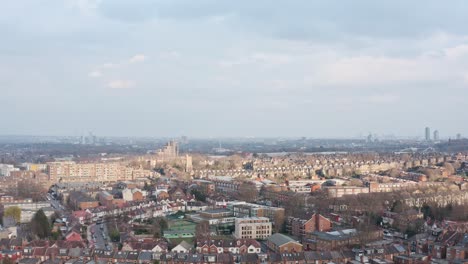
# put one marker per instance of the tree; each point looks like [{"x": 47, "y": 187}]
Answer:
[
  {"x": 248, "y": 192},
  {"x": 248, "y": 166},
  {"x": 398, "y": 207},
  {"x": 40, "y": 225},
  {"x": 7, "y": 260},
  {"x": 29, "y": 189},
  {"x": 14, "y": 212},
  {"x": 278, "y": 222},
  {"x": 114, "y": 235},
  {"x": 199, "y": 196},
  {"x": 449, "y": 168},
  {"x": 158, "y": 227},
  {"x": 393, "y": 173},
  {"x": 202, "y": 230},
  {"x": 295, "y": 206},
  {"x": 55, "y": 235},
  {"x": 432, "y": 174}
]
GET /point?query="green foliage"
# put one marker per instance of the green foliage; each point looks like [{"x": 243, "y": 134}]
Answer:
[
  {"x": 14, "y": 212},
  {"x": 178, "y": 167},
  {"x": 427, "y": 211},
  {"x": 114, "y": 235},
  {"x": 53, "y": 217},
  {"x": 55, "y": 235},
  {"x": 454, "y": 212},
  {"x": 160, "y": 170},
  {"x": 147, "y": 187},
  {"x": 398, "y": 207},
  {"x": 414, "y": 228},
  {"x": 248, "y": 166},
  {"x": 40, "y": 225},
  {"x": 199, "y": 196}
]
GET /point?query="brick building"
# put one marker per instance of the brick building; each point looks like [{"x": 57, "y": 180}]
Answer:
[
  {"x": 299, "y": 227},
  {"x": 280, "y": 243}
]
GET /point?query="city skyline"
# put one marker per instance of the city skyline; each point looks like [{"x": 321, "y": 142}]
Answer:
[{"x": 218, "y": 69}]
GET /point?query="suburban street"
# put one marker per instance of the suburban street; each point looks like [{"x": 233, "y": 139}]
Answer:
[{"x": 99, "y": 237}]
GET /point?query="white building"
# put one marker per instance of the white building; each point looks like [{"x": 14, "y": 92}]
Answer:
[
  {"x": 252, "y": 227},
  {"x": 128, "y": 194},
  {"x": 183, "y": 247},
  {"x": 6, "y": 169}
]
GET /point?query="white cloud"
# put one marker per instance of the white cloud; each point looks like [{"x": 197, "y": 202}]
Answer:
[
  {"x": 457, "y": 52},
  {"x": 137, "y": 58},
  {"x": 120, "y": 84},
  {"x": 86, "y": 7},
  {"x": 95, "y": 74},
  {"x": 169, "y": 55},
  {"x": 259, "y": 58},
  {"x": 110, "y": 65},
  {"x": 384, "y": 70},
  {"x": 382, "y": 99}
]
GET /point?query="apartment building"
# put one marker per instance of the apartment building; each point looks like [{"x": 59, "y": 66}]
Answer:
[
  {"x": 299, "y": 227},
  {"x": 243, "y": 209},
  {"x": 7, "y": 169},
  {"x": 70, "y": 171},
  {"x": 252, "y": 227}
]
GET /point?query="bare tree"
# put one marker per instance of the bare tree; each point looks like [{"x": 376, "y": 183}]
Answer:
[
  {"x": 247, "y": 192},
  {"x": 30, "y": 189},
  {"x": 202, "y": 231},
  {"x": 449, "y": 167}
]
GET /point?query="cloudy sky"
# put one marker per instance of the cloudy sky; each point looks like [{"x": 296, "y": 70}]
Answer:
[{"x": 233, "y": 68}]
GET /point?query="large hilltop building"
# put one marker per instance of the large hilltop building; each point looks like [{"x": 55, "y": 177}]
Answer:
[{"x": 169, "y": 152}]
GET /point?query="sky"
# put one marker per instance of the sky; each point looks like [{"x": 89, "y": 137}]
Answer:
[{"x": 215, "y": 68}]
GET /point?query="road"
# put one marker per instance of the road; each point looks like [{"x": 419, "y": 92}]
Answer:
[
  {"x": 98, "y": 235},
  {"x": 55, "y": 203}
]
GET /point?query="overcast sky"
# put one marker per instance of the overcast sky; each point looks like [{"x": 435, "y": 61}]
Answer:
[{"x": 207, "y": 68}]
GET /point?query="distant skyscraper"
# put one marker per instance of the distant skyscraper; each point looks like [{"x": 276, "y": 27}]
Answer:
[
  {"x": 458, "y": 136},
  {"x": 428, "y": 134},
  {"x": 436, "y": 135}
]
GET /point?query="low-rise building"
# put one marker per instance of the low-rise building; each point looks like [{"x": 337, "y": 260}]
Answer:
[
  {"x": 105, "y": 198},
  {"x": 134, "y": 194},
  {"x": 218, "y": 217},
  {"x": 243, "y": 209},
  {"x": 340, "y": 191},
  {"x": 80, "y": 200},
  {"x": 299, "y": 227},
  {"x": 252, "y": 227},
  {"x": 237, "y": 246},
  {"x": 280, "y": 243}
]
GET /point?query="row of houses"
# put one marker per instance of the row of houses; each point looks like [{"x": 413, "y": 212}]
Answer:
[
  {"x": 83, "y": 256},
  {"x": 135, "y": 210}
]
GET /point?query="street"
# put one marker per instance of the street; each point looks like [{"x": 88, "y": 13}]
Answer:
[{"x": 98, "y": 236}]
